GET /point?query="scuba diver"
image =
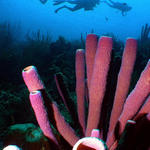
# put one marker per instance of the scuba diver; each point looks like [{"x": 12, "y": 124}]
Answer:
[
  {"x": 123, "y": 7},
  {"x": 79, "y": 4},
  {"x": 89, "y": 5}
]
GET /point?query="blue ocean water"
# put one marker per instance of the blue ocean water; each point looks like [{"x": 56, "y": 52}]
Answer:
[{"x": 33, "y": 15}]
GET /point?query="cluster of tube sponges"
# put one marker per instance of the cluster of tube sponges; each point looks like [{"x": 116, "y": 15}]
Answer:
[{"x": 95, "y": 59}]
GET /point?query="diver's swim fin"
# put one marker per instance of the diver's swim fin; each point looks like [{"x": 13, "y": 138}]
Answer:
[{"x": 43, "y": 1}]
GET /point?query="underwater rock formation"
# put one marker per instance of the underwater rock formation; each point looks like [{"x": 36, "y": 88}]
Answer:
[
  {"x": 97, "y": 57},
  {"x": 27, "y": 136}
]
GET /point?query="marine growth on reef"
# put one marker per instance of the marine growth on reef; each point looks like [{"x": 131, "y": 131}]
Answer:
[{"x": 125, "y": 118}]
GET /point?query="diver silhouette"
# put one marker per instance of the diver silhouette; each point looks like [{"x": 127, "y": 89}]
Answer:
[
  {"x": 79, "y": 4},
  {"x": 123, "y": 7}
]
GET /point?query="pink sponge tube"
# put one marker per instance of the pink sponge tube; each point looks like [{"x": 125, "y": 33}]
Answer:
[
  {"x": 133, "y": 102},
  {"x": 91, "y": 46},
  {"x": 80, "y": 86},
  {"x": 63, "y": 127},
  {"x": 90, "y": 143},
  {"x": 98, "y": 82},
  {"x": 12, "y": 147},
  {"x": 144, "y": 109},
  {"x": 136, "y": 97},
  {"x": 123, "y": 82},
  {"x": 37, "y": 104},
  {"x": 32, "y": 79},
  {"x": 95, "y": 133}
]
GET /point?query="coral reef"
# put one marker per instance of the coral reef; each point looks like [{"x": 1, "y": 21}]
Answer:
[
  {"x": 55, "y": 57},
  {"x": 98, "y": 60},
  {"x": 27, "y": 136}
]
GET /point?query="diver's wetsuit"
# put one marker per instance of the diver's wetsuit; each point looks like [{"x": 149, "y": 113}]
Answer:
[
  {"x": 123, "y": 7},
  {"x": 79, "y": 4}
]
